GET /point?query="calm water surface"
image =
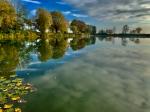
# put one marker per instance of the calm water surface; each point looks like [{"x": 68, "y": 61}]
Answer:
[{"x": 88, "y": 75}]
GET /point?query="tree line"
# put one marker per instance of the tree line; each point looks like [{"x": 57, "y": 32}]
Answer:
[
  {"x": 14, "y": 18},
  {"x": 125, "y": 29}
]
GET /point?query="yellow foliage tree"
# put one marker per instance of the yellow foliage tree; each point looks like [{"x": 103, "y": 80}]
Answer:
[
  {"x": 8, "y": 16},
  {"x": 44, "y": 20},
  {"x": 59, "y": 22}
]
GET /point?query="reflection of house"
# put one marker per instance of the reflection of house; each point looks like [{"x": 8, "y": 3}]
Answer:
[
  {"x": 69, "y": 40},
  {"x": 70, "y": 31}
]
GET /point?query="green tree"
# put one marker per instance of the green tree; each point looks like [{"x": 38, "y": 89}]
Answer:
[
  {"x": 8, "y": 16},
  {"x": 74, "y": 29},
  {"x": 91, "y": 29},
  {"x": 80, "y": 25},
  {"x": 60, "y": 24},
  {"x": 138, "y": 30},
  {"x": 43, "y": 20}
]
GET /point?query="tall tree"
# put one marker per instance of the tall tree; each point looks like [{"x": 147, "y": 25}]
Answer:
[
  {"x": 60, "y": 24},
  {"x": 8, "y": 16},
  {"x": 43, "y": 20},
  {"x": 125, "y": 29}
]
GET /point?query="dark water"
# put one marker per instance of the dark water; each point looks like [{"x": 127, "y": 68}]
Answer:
[{"x": 85, "y": 75}]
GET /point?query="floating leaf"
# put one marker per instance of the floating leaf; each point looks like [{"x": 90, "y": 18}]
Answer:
[
  {"x": 1, "y": 110},
  {"x": 17, "y": 110},
  {"x": 7, "y": 106},
  {"x": 15, "y": 98},
  {"x": 19, "y": 84},
  {"x": 9, "y": 110}
]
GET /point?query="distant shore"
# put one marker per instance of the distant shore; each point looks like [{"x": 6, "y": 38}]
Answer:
[{"x": 125, "y": 35}]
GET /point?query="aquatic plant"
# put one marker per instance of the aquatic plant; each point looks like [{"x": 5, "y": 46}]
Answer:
[{"x": 12, "y": 91}]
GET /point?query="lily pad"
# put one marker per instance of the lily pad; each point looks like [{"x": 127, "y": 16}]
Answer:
[
  {"x": 17, "y": 110},
  {"x": 1, "y": 110},
  {"x": 15, "y": 98},
  {"x": 7, "y": 106}
]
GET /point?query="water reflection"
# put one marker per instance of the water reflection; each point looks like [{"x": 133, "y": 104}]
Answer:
[
  {"x": 14, "y": 57},
  {"x": 51, "y": 50},
  {"x": 47, "y": 49},
  {"x": 79, "y": 43},
  {"x": 9, "y": 58},
  {"x": 124, "y": 41},
  {"x": 109, "y": 78}
]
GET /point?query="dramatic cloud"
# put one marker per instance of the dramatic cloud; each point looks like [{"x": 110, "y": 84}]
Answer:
[
  {"x": 114, "y": 9},
  {"x": 32, "y": 1}
]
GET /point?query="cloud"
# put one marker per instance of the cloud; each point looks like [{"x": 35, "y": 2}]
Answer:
[
  {"x": 114, "y": 9},
  {"x": 61, "y": 3},
  {"x": 66, "y": 12},
  {"x": 32, "y": 1},
  {"x": 80, "y": 15},
  {"x": 33, "y": 12},
  {"x": 74, "y": 14}
]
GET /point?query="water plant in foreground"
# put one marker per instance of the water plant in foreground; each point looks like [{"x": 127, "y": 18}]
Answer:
[{"x": 12, "y": 91}]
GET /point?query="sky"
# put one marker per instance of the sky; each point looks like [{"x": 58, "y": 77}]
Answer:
[{"x": 101, "y": 13}]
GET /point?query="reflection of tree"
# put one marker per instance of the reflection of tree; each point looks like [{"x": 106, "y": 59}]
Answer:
[
  {"x": 137, "y": 41},
  {"x": 101, "y": 38},
  {"x": 54, "y": 48},
  {"x": 45, "y": 51},
  {"x": 9, "y": 58},
  {"x": 59, "y": 48},
  {"x": 124, "y": 41},
  {"x": 93, "y": 40},
  {"x": 79, "y": 43}
]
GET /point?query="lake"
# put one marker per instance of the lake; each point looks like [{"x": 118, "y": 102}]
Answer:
[{"x": 82, "y": 75}]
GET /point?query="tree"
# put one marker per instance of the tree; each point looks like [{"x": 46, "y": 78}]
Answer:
[
  {"x": 91, "y": 29},
  {"x": 138, "y": 30},
  {"x": 74, "y": 29},
  {"x": 43, "y": 20},
  {"x": 114, "y": 30},
  {"x": 125, "y": 29},
  {"x": 21, "y": 14},
  {"x": 60, "y": 24},
  {"x": 109, "y": 31},
  {"x": 80, "y": 25},
  {"x": 8, "y": 16}
]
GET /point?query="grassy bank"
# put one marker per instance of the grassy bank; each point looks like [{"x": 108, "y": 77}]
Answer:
[{"x": 19, "y": 36}]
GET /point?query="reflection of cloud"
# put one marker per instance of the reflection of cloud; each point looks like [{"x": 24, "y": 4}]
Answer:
[
  {"x": 112, "y": 79},
  {"x": 32, "y": 1}
]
